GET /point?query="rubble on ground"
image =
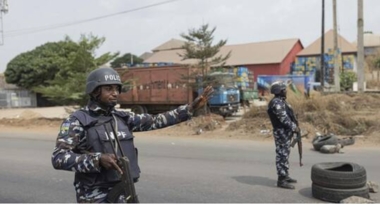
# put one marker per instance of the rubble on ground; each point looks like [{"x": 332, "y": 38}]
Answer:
[
  {"x": 373, "y": 187},
  {"x": 356, "y": 200}
]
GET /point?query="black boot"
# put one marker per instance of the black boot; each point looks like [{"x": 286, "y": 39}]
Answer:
[
  {"x": 290, "y": 180},
  {"x": 283, "y": 183}
]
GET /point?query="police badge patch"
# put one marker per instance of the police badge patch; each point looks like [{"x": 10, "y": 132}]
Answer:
[{"x": 65, "y": 128}]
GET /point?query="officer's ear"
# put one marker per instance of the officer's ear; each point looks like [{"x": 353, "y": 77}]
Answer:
[{"x": 96, "y": 93}]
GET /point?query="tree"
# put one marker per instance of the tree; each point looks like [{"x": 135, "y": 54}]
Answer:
[
  {"x": 125, "y": 59},
  {"x": 40, "y": 65},
  {"x": 199, "y": 47},
  {"x": 61, "y": 77},
  {"x": 347, "y": 79}
]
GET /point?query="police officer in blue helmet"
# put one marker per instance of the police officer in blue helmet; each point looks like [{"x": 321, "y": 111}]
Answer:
[
  {"x": 86, "y": 138},
  {"x": 280, "y": 111}
]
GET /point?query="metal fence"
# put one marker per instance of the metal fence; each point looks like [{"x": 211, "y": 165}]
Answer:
[{"x": 16, "y": 98}]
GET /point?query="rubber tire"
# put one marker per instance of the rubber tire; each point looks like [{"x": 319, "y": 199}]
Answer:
[
  {"x": 337, "y": 195},
  {"x": 326, "y": 140},
  {"x": 346, "y": 175},
  {"x": 138, "y": 109},
  {"x": 346, "y": 141},
  {"x": 145, "y": 109}
]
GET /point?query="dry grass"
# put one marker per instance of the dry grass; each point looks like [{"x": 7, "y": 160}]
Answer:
[
  {"x": 342, "y": 114},
  {"x": 373, "y": 84}
]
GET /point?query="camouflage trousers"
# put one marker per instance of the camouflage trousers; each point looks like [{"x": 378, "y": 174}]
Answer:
[
  {"x": 282, "y": 139},
  {"x": 98, "y": 195}
]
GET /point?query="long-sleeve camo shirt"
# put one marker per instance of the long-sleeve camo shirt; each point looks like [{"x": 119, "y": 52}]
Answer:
[
  {"x": 278, "y": 107},
  {"x": 71, "y": 140}
]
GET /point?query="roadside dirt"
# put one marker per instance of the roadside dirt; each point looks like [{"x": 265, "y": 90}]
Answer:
[{"x": 343, "y": 115}]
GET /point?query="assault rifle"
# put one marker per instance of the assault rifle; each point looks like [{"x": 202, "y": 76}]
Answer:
[
  {"x": 298, "y": 137},
  {"x": 126, "y": 186}
]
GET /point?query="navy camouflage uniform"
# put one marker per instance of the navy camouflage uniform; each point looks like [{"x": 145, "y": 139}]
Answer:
[
  {"x": 283, "y": 127},
  {"x": 71, "y": 150}
]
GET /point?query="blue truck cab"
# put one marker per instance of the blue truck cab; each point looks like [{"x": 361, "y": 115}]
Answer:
[{"x": 225, "y": 100}]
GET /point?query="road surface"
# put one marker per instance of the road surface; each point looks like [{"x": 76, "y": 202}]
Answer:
[{"x": 175, "y": 170}]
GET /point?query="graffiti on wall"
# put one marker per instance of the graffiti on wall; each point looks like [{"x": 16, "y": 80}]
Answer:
[
  {"x": 305, "y": 65},
  {"x": 298, "y": 83},
  {"x": 161, "y": 84}
]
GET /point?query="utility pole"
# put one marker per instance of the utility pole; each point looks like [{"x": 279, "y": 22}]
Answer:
[
  {"x": 3, "y": 9},
  {"x": 336, "y": 51},
  {"x": 323, "y": 48},
  {"x": 360, "y": 47}
]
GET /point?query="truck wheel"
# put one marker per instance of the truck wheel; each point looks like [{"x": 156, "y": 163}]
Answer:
[
  {"x": 339, "y": 175},
  {"x": 336, "y": 195},
  {"x": 138, "y": 109},
  {"x": 145, "y": 109}
]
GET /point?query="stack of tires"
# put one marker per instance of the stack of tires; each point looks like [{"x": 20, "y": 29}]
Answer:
[{"x": 335, "y": 181}]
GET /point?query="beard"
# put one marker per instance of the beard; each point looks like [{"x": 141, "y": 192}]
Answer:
[{"x": 108, "y": 105}]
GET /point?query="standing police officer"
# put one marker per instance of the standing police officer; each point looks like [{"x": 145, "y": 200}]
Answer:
[
  {"x": 279, "y": 112},
  {"x": 83, "y": 144}
]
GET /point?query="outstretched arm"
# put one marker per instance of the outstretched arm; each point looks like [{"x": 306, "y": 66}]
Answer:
[{"x": 145, "y": 122}]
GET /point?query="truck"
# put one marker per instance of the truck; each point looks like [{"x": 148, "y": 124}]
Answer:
[
  {"x": 244, "y": 81},
  {"x": 156, "y": 89}
]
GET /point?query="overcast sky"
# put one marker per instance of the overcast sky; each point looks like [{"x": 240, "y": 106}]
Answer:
[{"x": 238, "y": 21}]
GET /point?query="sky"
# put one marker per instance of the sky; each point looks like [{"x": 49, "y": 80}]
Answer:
[{"x": 238, "y": 21}]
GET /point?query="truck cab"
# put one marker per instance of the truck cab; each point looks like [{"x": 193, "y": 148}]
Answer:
[{"x": 226, "y": 97}]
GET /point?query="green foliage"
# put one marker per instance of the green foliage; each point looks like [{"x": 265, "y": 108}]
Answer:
[
  {"x": 126, "y": 58},
  {"x": 199, "y": 46},
  {"x": 59, "y": 70},
  {"x": 40, "y": 65},
  {"x": 347, "y": 79}
]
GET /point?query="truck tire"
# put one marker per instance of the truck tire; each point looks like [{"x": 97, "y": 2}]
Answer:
[
  {"x": 339, "y": 175},
  {"x": 138, "y": 109},
  {"x": 325, "y": 140},
  {"x": 336, "y": 195},
  {"x": 346, "y": 141}
]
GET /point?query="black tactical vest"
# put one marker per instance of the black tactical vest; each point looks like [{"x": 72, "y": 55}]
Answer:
[
  {"x": 273, "y": 118},
  {"x": 99, "y": 133}
]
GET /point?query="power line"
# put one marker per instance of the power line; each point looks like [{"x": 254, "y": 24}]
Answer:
[{"x": 19, "y": 32}]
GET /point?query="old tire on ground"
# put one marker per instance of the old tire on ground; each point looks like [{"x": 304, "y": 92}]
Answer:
[
  {"x": 326, "y": 140},
  {"x": 346, "y": 141},
  {"x": 336, "y": 195},
  {"x": 138, "y": 109},
  {"x": 339, "y": 175}
]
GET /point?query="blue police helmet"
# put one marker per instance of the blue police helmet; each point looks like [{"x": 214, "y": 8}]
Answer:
[
  {"x": 277, "y": 87},
  {"x": 102, "y": 76}
]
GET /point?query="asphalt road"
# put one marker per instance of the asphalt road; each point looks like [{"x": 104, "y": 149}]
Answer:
[{"x": 175, "y": 170}]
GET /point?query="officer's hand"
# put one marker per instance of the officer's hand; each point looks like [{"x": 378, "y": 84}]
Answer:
[
  {"x": 202, "y": 100},
  {"x": 109, "y": 161}
]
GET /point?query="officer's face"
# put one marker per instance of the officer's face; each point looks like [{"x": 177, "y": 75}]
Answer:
[
  {"x": 108, "y": 94},
  {"x": 283, "y": 93}
]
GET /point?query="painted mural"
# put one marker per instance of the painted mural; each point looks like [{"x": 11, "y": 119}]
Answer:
[
  {"x": 299, "y": 84},
  {"x": 305, "y": 65}
]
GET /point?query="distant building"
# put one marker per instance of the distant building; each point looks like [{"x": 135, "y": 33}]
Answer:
[
  {"x": 145, "y": 55},
  {"x": 261, "y": 58},
  {"x": 308, "y": 60},
  {"x": 12, "y": 96},
  {"x": 371, "y": 43}
]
